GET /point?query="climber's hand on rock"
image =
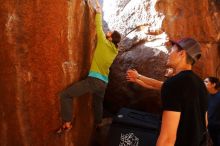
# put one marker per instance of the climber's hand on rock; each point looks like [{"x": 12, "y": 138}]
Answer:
[
  {"x": 98, "y": 6},
  {"x": 98, "y": 9}
]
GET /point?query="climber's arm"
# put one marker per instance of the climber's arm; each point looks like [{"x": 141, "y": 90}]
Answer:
[{"x": 99, "y": 25}]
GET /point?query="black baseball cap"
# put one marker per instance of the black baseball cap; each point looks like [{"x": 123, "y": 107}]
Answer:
[{"x": 191, "y": 46}]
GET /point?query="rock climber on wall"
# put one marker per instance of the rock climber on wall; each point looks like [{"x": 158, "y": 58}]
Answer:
[{"x": 95, "y": 83}]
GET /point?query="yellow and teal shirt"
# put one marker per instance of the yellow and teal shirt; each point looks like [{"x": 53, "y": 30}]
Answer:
[{"x": 104, "y": 55}]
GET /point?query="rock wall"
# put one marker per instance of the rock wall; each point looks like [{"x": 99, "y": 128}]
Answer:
[
  {"x": 45, "y": 46},
  {"x": 147, "y": 25},
  {"x": 197, "y": 19},
  {"x": 142, "y": 48}
]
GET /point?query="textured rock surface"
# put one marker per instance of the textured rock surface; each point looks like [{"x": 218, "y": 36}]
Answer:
[
  {"x": 150, "y": 24},
  {"x": 45, "y": 46},
  {"x": 121, "y": 93},
  {"x": 142, "y": 48},
  {"x": 199, "y": 20}
]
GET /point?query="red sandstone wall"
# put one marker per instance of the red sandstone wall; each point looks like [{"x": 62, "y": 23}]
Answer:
[
  {"x": 45, "y": 46},
  {"x": 199, "y": 19}
]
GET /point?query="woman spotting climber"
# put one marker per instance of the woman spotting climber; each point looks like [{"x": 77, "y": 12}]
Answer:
[{"x": 97, "y": 79}]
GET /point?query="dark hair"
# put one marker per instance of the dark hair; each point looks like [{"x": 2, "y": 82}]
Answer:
[
  {"x": 215, "y": 81},
  {"x": 116, "y": 38},
  {"x": 189, "y": 59}
]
